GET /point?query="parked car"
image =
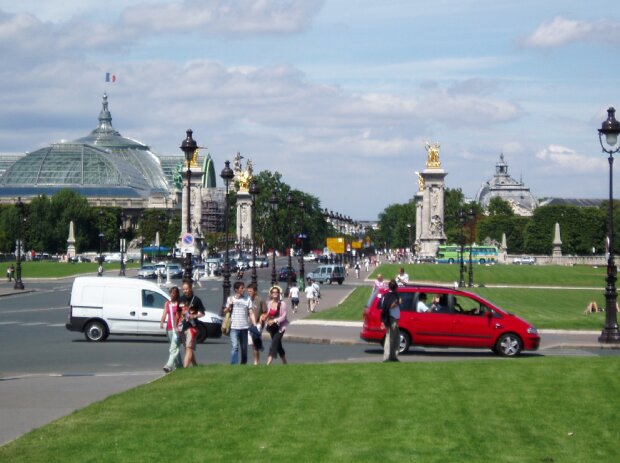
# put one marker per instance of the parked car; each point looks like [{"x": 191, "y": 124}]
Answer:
[
  {"x": 328, "y": 274},
  {"x": 175, "y": 271},
  {"x": 147, "y": 271},
  {"x": 455, "y": 319},
  {"x": 103, "y": 306},
  {"x": 283, "y": 274},
  {"x": 524, "y": 260},
  {"x": 310, "y": 257}
]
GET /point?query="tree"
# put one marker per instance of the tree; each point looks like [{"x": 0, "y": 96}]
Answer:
[
  {"x": 499, "y": 207},
  {"x": 394, "y": 231}
]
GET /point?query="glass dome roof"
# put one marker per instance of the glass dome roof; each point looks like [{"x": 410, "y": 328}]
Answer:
[{"x": 103, "y": 163}]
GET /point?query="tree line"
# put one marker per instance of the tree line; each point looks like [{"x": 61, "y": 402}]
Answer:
[{"x": 583, "y": 229}]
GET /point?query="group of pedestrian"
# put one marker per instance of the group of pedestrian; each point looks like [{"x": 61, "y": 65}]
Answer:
[
  {"x": 179, "y": 316},
  {"x": 250, "y": 317}
]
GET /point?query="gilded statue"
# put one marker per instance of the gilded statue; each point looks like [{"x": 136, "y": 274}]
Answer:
[
  {"x": 432, "y": 161},
  {"x": 420, "y": 181},
  {"x": 242, "y": 177}
]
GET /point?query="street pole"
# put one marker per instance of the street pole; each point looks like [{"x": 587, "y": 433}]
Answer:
[
  {"x": 289, "y": 277},
  {"x": 254, "y": 190},
  {"x": 610, "y": 334},
  {"x": 227, "y": 175},
  {"x": 19, "y": 284},
  {"x": 274, "y": 207},
  {"x": 462, "y": 258},
  {"x": 189, "y": 147},
  {"x": 302, "y": 270},
  {"x": 472, "y": 232}
]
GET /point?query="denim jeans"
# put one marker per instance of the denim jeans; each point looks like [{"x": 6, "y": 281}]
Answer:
[
  {"x": 174, "y": 359},
  {"x": 239, "y": 340}
]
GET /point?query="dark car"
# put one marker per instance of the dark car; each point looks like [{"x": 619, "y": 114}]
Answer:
[
  {"x": 438, "y": 316},
  {"x": 283, "y": 274}
]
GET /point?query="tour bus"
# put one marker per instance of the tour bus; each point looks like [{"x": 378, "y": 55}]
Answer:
[{"x": 451, "y": 253}]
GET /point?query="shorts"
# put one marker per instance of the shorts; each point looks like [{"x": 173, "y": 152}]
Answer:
[
  {"x": 295, "y": 301},
  {"x": 190, "y": 338}
]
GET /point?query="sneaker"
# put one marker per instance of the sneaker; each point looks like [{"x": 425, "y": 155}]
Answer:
[{"x": 167, "y": 370}]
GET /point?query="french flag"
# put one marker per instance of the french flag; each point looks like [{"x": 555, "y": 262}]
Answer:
[{"x": 110, "y": 77}]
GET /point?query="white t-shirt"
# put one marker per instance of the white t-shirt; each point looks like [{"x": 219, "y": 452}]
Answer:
[
  {"x": 422, "y": 307},
  {"x": 310, "y": 292},
  {"x": 294, "y": 292}
]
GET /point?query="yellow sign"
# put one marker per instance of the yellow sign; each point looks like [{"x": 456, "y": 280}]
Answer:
[
  {"x": 356, "y": 244},
  {"x": 335, "y": 245}
]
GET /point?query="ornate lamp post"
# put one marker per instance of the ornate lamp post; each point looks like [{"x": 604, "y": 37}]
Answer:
[
  {"x": 462, "y": 257},
  {"x": 254, "y": 190},
  {"x": 472, "y": 231},
  {"x": 227, "y": 175},
  {"x": 289, "y": 277},
  {"x": 100, "y": 267},
  {"x": 141, "y": 240},
  {"x": 189, "y": 147},
  {"x": 273, "y": 201},
  {"x": 122, "y": 244},
  {"x": 611, "y": 129},
  {"x": 302, "y": 270},
  {"x": 18, "y": 266}
]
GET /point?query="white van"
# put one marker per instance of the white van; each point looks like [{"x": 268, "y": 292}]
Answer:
[{"x": 101, "y": 306}]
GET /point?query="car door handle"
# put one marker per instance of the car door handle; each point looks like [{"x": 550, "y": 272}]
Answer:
[
  {"x": 133, "y": 314},
  {"x": 144, "y": 314}
]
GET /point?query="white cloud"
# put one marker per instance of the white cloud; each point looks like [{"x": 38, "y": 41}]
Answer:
[
  {"x": 212, "y": 17},
  {"x": 563, "y": 31},
  {"x": 560, "y": 159}
]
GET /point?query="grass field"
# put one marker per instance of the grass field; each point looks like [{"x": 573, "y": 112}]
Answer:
[
  {"x": 560, "y": 306},
  {"x": 536, "y": 275},
  {"x": 518, "y": 410},
  {"x": 41, "y": 269}
]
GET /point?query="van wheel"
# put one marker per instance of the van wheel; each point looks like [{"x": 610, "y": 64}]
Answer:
[
  {"x": 96, "y": 331},
  {"x": 328, "y": 281},
  {"x": 340, "y": 282},
  {"x": 508, "y": 345},
  {"x": 404, "y": 342},
  {"x": 482, "y": 261},
  {"x": 201, "y": 336},
  {"x": 451, "y": 261}
]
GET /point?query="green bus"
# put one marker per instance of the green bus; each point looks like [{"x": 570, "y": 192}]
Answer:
[{"x": 451, "y": 253}]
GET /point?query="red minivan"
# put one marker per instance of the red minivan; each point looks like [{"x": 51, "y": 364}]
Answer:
[{"x": 438, "y": 316}]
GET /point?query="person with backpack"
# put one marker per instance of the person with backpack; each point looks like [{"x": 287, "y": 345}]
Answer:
[{"x": 390, "y": 314}]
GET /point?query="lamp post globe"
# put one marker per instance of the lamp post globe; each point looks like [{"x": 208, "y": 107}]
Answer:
[
  {"x": 227, "y": 175},
  {"x": 610, "y": 129},
  {"x": 273, "y": 201},
  {"x": 254, "y": 191},
  {"x": 189, "y": 147}
]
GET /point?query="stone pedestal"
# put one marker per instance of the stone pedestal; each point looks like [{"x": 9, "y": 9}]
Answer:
[
  {"x": 244, "y": 218},
  {"x": 195, "y": 207},
  {"x": 430, "y": 231}
]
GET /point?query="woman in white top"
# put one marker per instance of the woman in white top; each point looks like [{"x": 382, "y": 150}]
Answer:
[{"x": 240, "y": 306}]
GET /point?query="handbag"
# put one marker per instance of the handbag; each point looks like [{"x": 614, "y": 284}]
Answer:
[
  {"x": 274, "y": 328},
  {"x": 226, "y": 324}
]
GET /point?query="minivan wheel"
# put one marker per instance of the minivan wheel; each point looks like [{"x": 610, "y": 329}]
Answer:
[
  {"x": 508, "y": 345},
  {"x": 340, "y": 282},
  {"x": 405, "y": 342},
  {"x": 328, "y": 281},
  {"x": 96, "y": 331}
]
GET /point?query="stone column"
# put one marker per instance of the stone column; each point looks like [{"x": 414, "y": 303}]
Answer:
[
  {"x": 244, "y": 217},
  {"x": 556, "y": 256},
  {"x": 71, "y": 242},
  {"x": 432, "y": 233}
]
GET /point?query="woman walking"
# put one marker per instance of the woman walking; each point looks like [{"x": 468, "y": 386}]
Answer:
[
  {"x": 276, "y": 322},
  {"x": 170, "y": 317}
]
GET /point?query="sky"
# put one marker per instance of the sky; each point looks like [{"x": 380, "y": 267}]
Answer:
[{"x": 339, "y": 96}]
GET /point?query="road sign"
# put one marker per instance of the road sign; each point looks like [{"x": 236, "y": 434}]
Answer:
[
  {"x": 336, "y": 245},
  {"x": 187, "y": 243}
]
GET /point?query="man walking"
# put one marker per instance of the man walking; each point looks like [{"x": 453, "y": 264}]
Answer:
[
  {"x": 311, "y": 295},
  {"x": 390, "y": 313}
]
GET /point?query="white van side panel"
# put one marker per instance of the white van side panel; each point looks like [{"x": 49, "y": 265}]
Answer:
[
  {"x": 87, "y": 300},
  {"x": 152, "y": 307},
  {"x": 121, "y": 306}
]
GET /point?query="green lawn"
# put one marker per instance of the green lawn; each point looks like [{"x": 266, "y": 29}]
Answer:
[
  {"x": 560, "y": 308},
  {"x": 517, "y": 410},
  {"x": 44, "y": 269},
  {"x": 548, "y": 275}
]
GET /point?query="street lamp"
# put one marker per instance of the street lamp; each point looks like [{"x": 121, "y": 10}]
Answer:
[
  {"x": 189, "y": 147},
  {"x": 611, "y": 129},
  {"x": 100, "y": 267},
  {"x": 410, "y": 250},
  {"x": 141, "y": 240},
  {"x": 289, "y": 277},
  {"x": 273, "y": 201},
  {"x": 227, "y": 175},
  {"x": 18, "y": 267},
  {"x": 472, "y": 232},
  {"x": 302, "y": 236},
  {"x": 254, "y": 190},
  {"x": 462, "y": 259},
  {"x": 122, "y": 244}
]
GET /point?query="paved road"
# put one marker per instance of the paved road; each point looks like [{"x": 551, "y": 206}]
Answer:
[{"x": 46, "y": 372}]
